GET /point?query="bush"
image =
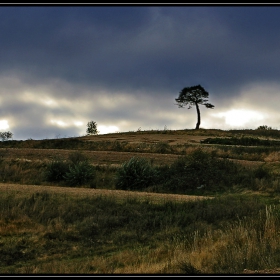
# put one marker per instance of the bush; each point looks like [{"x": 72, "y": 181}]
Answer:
[
  {"x": 163, "y": 147},
  {"x": 261, "y": 173},
  {"x": 79, "y": 174},
  {"x": 56, "y": 170},
  {"x": 76, "y": 171},
  {"x": 200, "y": 170},
  {"x": 135, "y": 174},
  {"x": 264, "y": 127}
]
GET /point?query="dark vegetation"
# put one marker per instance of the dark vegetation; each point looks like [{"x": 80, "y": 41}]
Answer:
[
  {"x": 194, "y": 96},
  {"x": 196, "y": 173},
  {"x": 244, "y": 141},
  {"x": 54, "y": 225},
  {"x": 199, "y": 169}
]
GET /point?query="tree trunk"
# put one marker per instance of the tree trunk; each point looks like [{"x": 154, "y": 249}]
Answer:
[{"x": 198, "y": 116}]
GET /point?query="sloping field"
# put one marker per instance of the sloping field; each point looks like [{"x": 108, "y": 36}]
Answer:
[
  {"x": 95, "y": 157},
  {"x": 23, "y": 190},
  {"x": 106, "y": 156},
  {"x": 171, "y": 139}
]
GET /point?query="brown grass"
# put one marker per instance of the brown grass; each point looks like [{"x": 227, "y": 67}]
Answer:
[
  {"x": 23, "y": 190},
  {"x": 171, "y": 139},
  {"x": 95, "y": 157}
]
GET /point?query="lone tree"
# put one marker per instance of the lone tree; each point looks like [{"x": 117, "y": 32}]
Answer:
[
  {"x": 92, "y": 128},
  {"x": 6, "y": 135},
  {"x": 191, "y": 96}
]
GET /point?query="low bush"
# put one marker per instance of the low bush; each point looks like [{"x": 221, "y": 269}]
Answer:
[
  {"x": 76, "y": 157},
  {"x": 75, "y": 171},
  {"x": 261, "y": 173},
  {"x": 163, "y": 147},
  {"x": 135, "y": 174},
  {"x": 201, "y": 170},
  {"x": 79, "y": 174},
  {"x": 197, "y": 171},
  {"x": 56, "y": 170}
]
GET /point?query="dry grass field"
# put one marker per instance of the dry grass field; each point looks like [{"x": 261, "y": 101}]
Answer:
[
  {"x": 17, "y": 160},
  {"x": 23, "y": 190},
  {"x": 191, "y": 139},
  {"x": 99, "y": 158}
]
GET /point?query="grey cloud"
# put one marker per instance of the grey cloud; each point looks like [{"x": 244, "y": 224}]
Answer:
[{"x": 88, "y": 58}]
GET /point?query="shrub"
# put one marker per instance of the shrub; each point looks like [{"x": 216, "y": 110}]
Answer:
[
  {"x": 135, "y": 174},
  {"x": 188, "y": 268},
  {"x": 261, "y": 173},
  {"x": 56, "y": 170},
  {"x": 200, "y": 169},
  {"x": 264, "y": 127},
  {"x": 79, "y": 174},
  {"x": 163, "y": 147}
]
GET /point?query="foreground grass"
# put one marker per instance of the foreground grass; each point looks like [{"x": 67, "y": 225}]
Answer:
[{"x": 52, "y": 233}]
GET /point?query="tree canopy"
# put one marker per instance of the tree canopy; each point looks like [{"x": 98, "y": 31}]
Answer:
[
  {"x": 193, "y": 96},
  {"x": 92, "y": 128}
]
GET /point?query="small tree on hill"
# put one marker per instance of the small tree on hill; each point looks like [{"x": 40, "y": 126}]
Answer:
[
  {"x": 6, "y": 135},
  {"x": 194, "y": 95},
  {"x": 92, "y": 128},
  {"x": 264, "y": 127}
]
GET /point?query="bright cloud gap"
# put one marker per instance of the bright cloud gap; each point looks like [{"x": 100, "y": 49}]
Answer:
[{"x": 240, "y": 117}]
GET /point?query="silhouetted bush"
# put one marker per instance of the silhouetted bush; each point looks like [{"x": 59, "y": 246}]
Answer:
[
  {"x": 201, "y": 170},
  {"x": 264, "y": 127},
  {"x": 56, "y": 170},
  {"x": 79, "y": 174},
  {"x": 76, "y": 171},
  {"x": 135, "y": 174}
]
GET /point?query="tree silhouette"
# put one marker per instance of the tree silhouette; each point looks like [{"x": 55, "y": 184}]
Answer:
[
  {"x": 92, "y": 128},
  {"x": 191, "y": 96},
  {"x": 6, "y": 135}
]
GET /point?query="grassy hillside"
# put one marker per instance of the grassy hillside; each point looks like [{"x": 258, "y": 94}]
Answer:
[{"x": 121, "y": 203}]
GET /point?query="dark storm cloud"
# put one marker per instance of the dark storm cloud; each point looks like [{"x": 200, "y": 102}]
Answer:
[
  {"x": 125, "y": 65},
  {"x": 72, "y": 43},
  {"x": 142, "y": 47}
]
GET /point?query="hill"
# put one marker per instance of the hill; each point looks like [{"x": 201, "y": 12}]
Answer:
[{"x": 200, "y": 202}]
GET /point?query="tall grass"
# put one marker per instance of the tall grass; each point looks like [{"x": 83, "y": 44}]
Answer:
[{"x": 51, "y": 233}]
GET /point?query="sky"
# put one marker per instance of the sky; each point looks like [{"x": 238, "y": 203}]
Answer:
[{"x": 122, "y": 66}]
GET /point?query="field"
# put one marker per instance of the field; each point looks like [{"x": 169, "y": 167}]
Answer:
[{"x": 219, "y": 217}]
